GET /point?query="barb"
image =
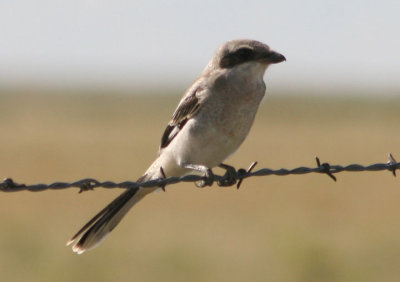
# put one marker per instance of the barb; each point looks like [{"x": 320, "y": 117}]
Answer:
[
  {"x": 325, "y": 168},
  {"x": 8, "y": 185}
]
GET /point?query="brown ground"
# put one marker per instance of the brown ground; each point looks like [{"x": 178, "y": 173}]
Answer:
[{"x": 292, "y": 228}]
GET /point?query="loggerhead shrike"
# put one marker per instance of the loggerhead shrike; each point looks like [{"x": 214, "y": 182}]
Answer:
[{"x": 211, "y": 121}]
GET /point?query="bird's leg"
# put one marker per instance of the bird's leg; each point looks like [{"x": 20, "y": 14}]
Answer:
[
  {"x": 208, "y": 174},
  {"x": 230, "y": 175}
]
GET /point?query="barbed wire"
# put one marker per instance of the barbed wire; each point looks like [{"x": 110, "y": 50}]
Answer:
[{"x": 229, "y": 179}]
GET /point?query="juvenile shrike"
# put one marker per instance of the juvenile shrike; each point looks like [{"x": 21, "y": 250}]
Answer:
[{"x": 211, "y": 121}]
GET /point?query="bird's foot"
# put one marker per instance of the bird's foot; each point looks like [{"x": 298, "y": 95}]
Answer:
[
  {"x": 229, "y": 177},
  {"x": 208, "y": 178}
]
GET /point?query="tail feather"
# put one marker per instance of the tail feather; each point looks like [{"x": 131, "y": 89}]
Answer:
[
  {"x": 97, "y": 229},
  {"x": 91, "y": 222}
]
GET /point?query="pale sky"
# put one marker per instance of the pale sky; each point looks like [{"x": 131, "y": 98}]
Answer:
[{"x": 153, "y": 44}]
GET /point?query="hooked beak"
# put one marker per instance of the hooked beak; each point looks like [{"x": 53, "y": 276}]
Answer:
[{"x": 274, "y": 57}]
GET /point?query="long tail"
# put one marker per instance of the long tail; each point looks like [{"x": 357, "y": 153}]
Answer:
[{"x": 97, "y": 229}]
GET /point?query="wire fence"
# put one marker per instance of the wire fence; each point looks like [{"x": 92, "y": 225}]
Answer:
[{"x": 229, "y": 179}]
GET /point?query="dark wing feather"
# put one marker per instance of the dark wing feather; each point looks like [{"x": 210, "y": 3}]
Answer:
[{"x": 187, "y": 108}]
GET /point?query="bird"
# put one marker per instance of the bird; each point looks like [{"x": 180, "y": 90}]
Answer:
[{"x": 211, "y": 121}]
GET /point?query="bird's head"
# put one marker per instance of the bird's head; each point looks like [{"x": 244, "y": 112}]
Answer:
[{"x": 237, "y": 52}]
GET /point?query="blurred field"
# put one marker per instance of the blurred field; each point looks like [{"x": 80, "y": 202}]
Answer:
[{"x": 292, "y": 228}]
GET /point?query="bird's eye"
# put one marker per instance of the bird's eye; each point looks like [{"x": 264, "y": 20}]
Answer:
[
  {"x": 244, "y": 53},
  {"x": 239, "y": 56}
]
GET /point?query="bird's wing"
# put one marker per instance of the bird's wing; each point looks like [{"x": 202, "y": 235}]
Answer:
[{"x": 187, "y": 108}]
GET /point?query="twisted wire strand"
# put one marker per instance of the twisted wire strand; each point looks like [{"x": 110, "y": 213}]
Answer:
[{"x": 8, "y": 185}]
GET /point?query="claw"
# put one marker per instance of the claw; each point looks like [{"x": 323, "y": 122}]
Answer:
[
  {"x": 230, "y": 176},
  {"x": 208, "y": 179}
]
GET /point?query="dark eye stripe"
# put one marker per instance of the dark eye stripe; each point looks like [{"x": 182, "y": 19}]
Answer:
[
  {"x": 237, "y": 57},
  {"x": 244, "y": 54}
]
